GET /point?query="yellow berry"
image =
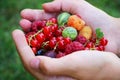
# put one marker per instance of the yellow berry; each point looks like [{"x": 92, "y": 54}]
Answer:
[{"x": 86, "y": 31}]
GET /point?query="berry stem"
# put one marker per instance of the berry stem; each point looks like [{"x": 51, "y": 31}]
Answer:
[
  {"x": 45, "y": 43},
  {"x": 33, "y": 36}
]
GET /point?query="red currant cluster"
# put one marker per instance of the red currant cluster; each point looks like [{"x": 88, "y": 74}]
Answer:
[
  {"x": 95, "y": 44},
  {"x": 45, "y": 38}
]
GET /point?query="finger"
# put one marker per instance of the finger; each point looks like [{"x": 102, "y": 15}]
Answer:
[
  {"x": 25, "y": 52},
  {"x": 59, "y": 5},
  {"x": 25, "y": 24},
  {"x": 52, "y": 66},
  {"x": 32, "y": 15}
]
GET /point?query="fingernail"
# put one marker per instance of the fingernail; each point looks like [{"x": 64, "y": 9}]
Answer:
[{"x": 35, "y": 63}]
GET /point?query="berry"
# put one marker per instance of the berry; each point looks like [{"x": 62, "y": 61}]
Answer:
[
  {"x": 61, "y": 45},
  {"x": 103, "y": 42},
  {"x": 34, "y": 26},
  {"x": 93, "y": 40},
  {"x": 81, "y": 39},
  {"x": 46, "y": 30},
  {"x": 47, "y": 47},
  {"x": 53, "y": 20},
  {"x": 100, "y": 48},
  {"x": 49, "y": 36},
  {"x": 34, "y": 43},
  {"x": 53, "y": 29},
  {"x": 58, "y": 32},
  {"x": 60, "y": 54},
  {"x": 59, "y": 38},
  {"x": 51, "y": 54},
  {"x": 90, "y": 45},
  {"x": 40, "y": 52},
  {"x": 55, "y": 26},
  {"x": 69, "y": 32},
  {"x": 40, "y": 37},
  {"x": 43, "y": 23},
  {"x": 74, "y": 46},
  {"x": 67, "y": 40},
  {"x": 34, "y": 50},
  {"x": 37, "y": 25},
  {"x": 46, "y": 38},
  {"x": 29, "y": 34},
  {"x": 52, "y": 42}
]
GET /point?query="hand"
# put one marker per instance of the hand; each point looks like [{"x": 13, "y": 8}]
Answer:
[
  {"x": 93, "y": 17},
  {"x": 81, "y": 65},
  {"x": 52, "y": 9}
]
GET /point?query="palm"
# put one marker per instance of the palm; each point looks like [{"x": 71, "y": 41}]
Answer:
[
  {"x": 93, "y": 17},
  {"x": 90, "y": 19}
]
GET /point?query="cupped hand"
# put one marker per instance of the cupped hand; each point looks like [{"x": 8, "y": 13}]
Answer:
[
  {"x": 54, "y": 69},
  {"x": 80, "y": 65},
  {"x": 93, "y": 17}
]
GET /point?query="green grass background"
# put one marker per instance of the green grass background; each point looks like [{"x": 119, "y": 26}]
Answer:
[{"x": 10, "y": 64}]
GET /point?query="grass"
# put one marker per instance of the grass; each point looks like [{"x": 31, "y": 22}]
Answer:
[{"x": 10, "y": 64}]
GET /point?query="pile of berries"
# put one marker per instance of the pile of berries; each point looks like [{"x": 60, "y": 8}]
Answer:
[{"x": 49, "y": 38}]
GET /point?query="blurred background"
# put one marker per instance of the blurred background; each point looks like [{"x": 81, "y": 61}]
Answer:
[{"x": 10, "y": 64}]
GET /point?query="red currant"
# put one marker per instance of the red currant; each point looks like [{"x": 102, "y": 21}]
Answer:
[
  {"x": 103, "y": 42},
  {"x": 40, "y": 37},
  {"x": 90, "y": 45},
  {"x": 67, "y": 40},
  {"x": 101, "y": 48},
  {"x": 59, "y": 38},
  {"x": 53, "y": 20},
  {"x": 49, "y": 36},
  {"x": 34, "y": 50},
  {"x": 46, "y": 30},
  {"x": 52, "y": 42},
  {"x": 93, "y": 40},
  {"x": 34, "y": 43},
  {"x": 61, "y": 45},
  {"x": 58, "y": 32},
  {"x": 53, "y": 29}
]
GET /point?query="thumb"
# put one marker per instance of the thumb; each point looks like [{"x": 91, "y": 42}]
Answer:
[
  {"x": 49, "y": 66},
  {"x": 60, "y": 5}
]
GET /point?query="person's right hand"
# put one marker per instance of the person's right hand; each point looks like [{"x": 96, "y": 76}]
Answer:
[{"x": 92, "y": 16}]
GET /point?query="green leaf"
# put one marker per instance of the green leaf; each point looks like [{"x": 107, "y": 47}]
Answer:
[{"x": 99, "y": 33}]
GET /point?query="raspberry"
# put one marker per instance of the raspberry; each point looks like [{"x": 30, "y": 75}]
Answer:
[
  {"x": 60, "y": 54},
  {"x": 74, "y": 46},
  {"x": 81, "y": 39}
]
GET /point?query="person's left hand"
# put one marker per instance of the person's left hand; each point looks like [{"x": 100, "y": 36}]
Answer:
[{"x": 80, "y": 65}]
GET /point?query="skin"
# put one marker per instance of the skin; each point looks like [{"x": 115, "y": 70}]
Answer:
[{"x": 80, "y": 65}]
